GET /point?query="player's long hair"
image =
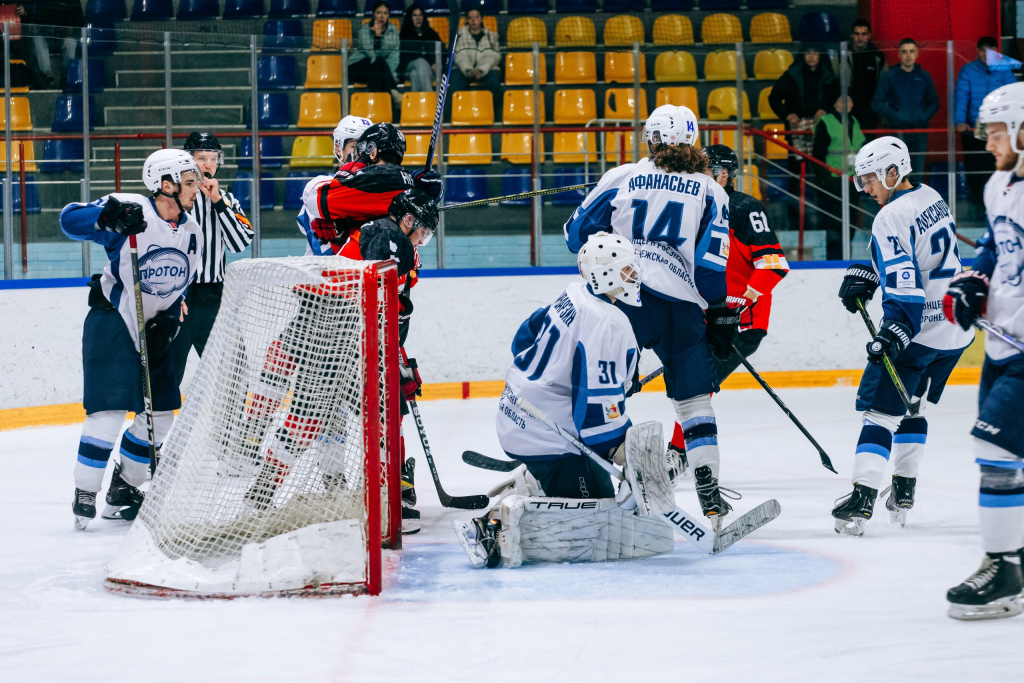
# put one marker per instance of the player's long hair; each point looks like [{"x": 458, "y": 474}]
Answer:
[{"x": 678, "y": 158}]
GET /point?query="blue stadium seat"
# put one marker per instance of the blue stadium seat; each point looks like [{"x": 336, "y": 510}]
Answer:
[
  {"x": 285, "y": 9},
  {"x": 623, "y": 5},
  {"x": 62, "y": 155},
  {"x": 564, "y": 177},
  {"x": 487, "y": 7},
  {"x": 465, "y": 185},
  {"x": 102, "y": 40},
  {"x": 528, "y": 7},
  {"x": 667, "y": 5},
  {"x": 32, "y": 204},
  {"x": 515, "y": 181},
  {"x": 97, "y": 75},
  {"x": 197, "y": 10},
  {"x": 271, "y": 153},
  {"x": 940, "y": 183},
  {"x": 432, "y": 6},
  {"x": 719, "y": 4},
  {"x": 767, "y": 4},
  {"x": 294, "y": 186},
  {"x": 243, "y": 9},
  {"x": 152, "y": 10},
  {"x": 104, "y": 10},
  {"x": 777, "y": 181},
  {"x": 283, "y": 36},
  {"x": 336, "y": 8},
  {"x": 241, "y": 188},
  {"x": 276, "y": 72},
  {"x": 273, "y": 110},
  {"x": 67, "y": 114},
  {"x": 575, "y": 6},
  {"x": 819, "y": 26}
]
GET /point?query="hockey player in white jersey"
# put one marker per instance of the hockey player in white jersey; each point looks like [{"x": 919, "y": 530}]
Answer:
[
  {"x": 993, "y": 290},
  {"x": 913, "y": 257},
  {"x": 170, "y": 249},
  {"x": 678, "y": 219}
]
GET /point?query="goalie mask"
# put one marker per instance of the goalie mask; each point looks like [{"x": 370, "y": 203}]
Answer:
[
  {"x": 671, "y": 125},
  {"x": 876, "y": 158},
  {"x": 609, "y": 265}
]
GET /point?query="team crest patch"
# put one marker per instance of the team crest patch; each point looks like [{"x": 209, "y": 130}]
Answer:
[
  {"x": 611, "y": 412},
  {"x": 905, "y": 279},
  {"x": 163, "y": 271}
]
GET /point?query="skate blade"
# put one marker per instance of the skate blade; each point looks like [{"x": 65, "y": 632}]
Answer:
[
  {"x": 475, "y": 553},
  {"x": 1003, "y": 608},
  {"x": 853, "y": 527},
  {"x": 410, "y": 526},
  {"x": 112, "y": 512},
  {"x": 898, "y": 516},
  {"x": 82, "y": 522}
]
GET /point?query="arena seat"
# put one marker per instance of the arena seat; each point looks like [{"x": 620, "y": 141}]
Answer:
[
  {"x": 567, "y": 177},
  {"x": 619, "y": 103},
  {"x": 675, "y": 66},
  {"x": 273, "y": 110},
  {"x": 472, "y": 108},
  {"x": 104, "y": 10},
  {"x": 271, "y": 152},
  {"x": 771, "y": 150},
  {"x": 433, "y": 6},
  {"x": 312, "y": 151},
  {"x": 569, "y": 148},
  {"x": 336, "y": 8},
  {"x": 752, "y": 182},
  {"x": 20, "y": 64},
  {"x": 243, "y": 9},
  {"x": 416, "y": 150},
  {"x": 30, "y": 163},
  {"x": 728, "y": 138},
  {"x": 624, "y": 5},
  {"x": 519, "y": 68},
  {"x": 721, "y": 66},
  {"x": 515, "y": 181},
  {"x": 283, "y": 36},
  {"x": 575, "y": 106},
  {"x": 721, "y": 28},
  {"x": 518, "y": 108},
  {"x": 528, "y": 7},
  {"x": 722, "y": 104},
  {"x": 241, "y": 188},
  {"x": 198, "y": 10},
  {"x": 440, "y": 24},
  {"x": 490, "y": 23},
  {"x": 820, "y": 27},
  {"x": 418, "y": 108},
  {"x": 323, "y": 72},
  {"x": 670, "y": 5},
  {"x": 328, "y": 34},
  {"x": 680, "y": 97},
  {"x": 375, "y": 106},
  {"x": 575, "y": 68},
  {"x": 623, "y": 30},
  {"x": 275, "y": 72},
  {"x": 469, "y": 149},
  {"x": 97, "y": 75},
  {"x": 764, "y": 110},
  {"x": 517, "y": 148},
  {"x": 102, "y": 40},
  {"x": 62, "y": 155},
  {"x": 618, "y": 67},
  {"x": 563, "y": 6},
  {"x": 485, "y": 6},
  {"x": 463, "y": 185},
  {"x": 672, "y": 29},
  {"x": 152, "y": 10},
  {"x": 770, "y": 27},
  {"x": 31, "y": 189},
  {"x": 575, "y": 32},
  {"x": 719, "y": 4},
  {"x": 525, "y": 31},
  {"x": 293, "y": 187},
  {"x": 289, "y": 9},
  {"x": 770, "y": 64},
  {"x": 767, "y": 4},
  {"x": 67, "y": 114},
  {"x": 776, "y": 183}
]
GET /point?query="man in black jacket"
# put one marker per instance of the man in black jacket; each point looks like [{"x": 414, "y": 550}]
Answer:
[
  {"x": 803, "y": 94},
  {"x": 867, "y": 64},
  {"x": 57, "y": 20}
]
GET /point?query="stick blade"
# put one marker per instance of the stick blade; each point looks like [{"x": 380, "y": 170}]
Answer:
[
  {"x": 477, "y": 502},
  {"x": 748, "y": 523},
  {"x": 474, "y": 459}
]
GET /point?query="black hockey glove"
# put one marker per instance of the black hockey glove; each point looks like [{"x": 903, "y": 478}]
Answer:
[
  {"x": 860, "y": 282},
  {"x": 723, "y": 328},
  {"x": 634, "y": 385},
  {"x": 966, "y": 298},
  {"x": 890, "y": 341},
  {"x": 411, "y": 381},
  {"x": 161, "y": 330},
  {"x": 430, "y": 182},
  {"x": 124, "y": 218}
]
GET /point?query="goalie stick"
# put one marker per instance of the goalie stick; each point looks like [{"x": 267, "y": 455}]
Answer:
[
  {"x": 690, "y": 528},
  {"x": 913, "y": 405}
]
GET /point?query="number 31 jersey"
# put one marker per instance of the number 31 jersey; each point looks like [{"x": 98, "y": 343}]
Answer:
[{"x": 914, "y": 252}]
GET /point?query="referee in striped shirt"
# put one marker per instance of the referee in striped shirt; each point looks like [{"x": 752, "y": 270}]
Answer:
[{"x": 225, "y": 228}]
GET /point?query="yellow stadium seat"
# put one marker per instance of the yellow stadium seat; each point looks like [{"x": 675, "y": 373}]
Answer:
[
  {"x": 30, "y": 159},
  {"x": 418, "y": 108},
  {"x": 469, "y": 149},
  {"x": 569, "y": 148},
  {"x": 328, "y": 34},
  {"x": 323, "y": 72},
  {"x": 519, "y": 68},
  {"x": 416, "y": 150},
  {"x": 472, "y": 108},
  {"x": 722, "y": 104},
  {"x": 624, "y": 29},
  {"x": 680, "y": 97},
  {"x": 19, "y": 89},
  {"x": 618, "y": 67},
  {"x": 728, "y": 138},
  {"x": 439, "y": 24},
  {"x": 525, "y": 31},
  {"x": 517, "y": 109},
  {"x": 575, "y": 67},
  {"x": 770, "y": 27},
  {"x": 721, "y": 66},
  {"x": 517, "y": 148},
  {"x": 721, "y": 28},
  {"x": 619, "y": 103},
  {"x": 375, "y": 106},
  {"x": 319, "y": 110},
  {"x": 764, "y": 110},
  {"x": 575, "y": 32},
  {"x": 771, "y": 150},
  {"x": 673, "y": 29},
  {"x": 313, "y": 151},
  {"x": 575, "y": 106},
  {"x": 770, "y": 64},
  {"x": 675, "y": 66},
  {"x": 752, "y": 182},
  {"x": 21, "y": 116},
  {"x": 490, "y": 23}
]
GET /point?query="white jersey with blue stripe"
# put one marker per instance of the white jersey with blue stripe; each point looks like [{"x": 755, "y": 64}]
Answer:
[
  {"x": 678, "y": 222},
  {"x": 1001, "y": 257},
  {"x": 311, "y": 211},
  {"x": 169, "y": 253},
  {"x": 574, "y": 360},
  {"x": 914, "y": 252}
]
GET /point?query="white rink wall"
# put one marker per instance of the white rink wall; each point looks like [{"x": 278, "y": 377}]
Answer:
[{"x": 462, "y": 328}]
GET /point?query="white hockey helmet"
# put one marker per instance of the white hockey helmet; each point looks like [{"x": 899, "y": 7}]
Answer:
[
  {"x": 609, "y": 265},
  {"x": 349, "y": 128},
  {"x": 671, "y": 125},
  {"x": 164, "y": 162},
  {"x": 1003, "y": 105},
  {"x": 877, "y": 157}
]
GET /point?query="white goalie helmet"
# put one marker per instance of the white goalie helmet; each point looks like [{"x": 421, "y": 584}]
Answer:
[
  {"x": 876, "y": 158},
  {"x": 164, "y": 162},
  {"x": 671, "y": 125},
  {"x": 1003, "y": 105},
  {"x": 609, "y": 265},
  {"x": 349, "y": 128}
]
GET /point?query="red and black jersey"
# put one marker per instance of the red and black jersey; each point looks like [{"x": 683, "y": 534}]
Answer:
[
  {"x": 756, "y": 259},
  {"x": 351, "y": 200}
]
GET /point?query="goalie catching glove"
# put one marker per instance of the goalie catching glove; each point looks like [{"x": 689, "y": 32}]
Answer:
[
  {"x": 411, "y": 382},
  {"x": 966, "y": 298}
]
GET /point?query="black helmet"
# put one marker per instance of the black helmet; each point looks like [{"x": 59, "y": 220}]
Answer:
[
  {"x": 419, "y": 204},
  {"x": 722, "y": 156},
  {"x": 385, "y": 139},
  {"x": 197, "y": 141}
]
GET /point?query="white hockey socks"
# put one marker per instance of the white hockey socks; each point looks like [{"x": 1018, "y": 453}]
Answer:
[
  {"x": 135, "y": 445},
  {"x": 874, "y": 448},
  {"x": 908, "y": 446},
  {"x": 697, "y": 419},
  {"x": 98, "y": 436},
  {"x": 1000, "y": 498}
]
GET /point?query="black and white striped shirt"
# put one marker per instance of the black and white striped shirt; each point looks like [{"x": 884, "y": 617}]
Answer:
[{"x": 224, "y": 228}]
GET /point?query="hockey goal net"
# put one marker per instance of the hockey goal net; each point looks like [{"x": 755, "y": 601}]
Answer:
[{"x": 281, "y": 473}]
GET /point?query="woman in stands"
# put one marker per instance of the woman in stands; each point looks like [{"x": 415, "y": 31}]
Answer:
[
  {"x": 418, "y": 46},
  {"x": 375, "y": 59}
]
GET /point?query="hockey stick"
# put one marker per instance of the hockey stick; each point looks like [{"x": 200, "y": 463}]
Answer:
[
  {"x": 825, "y": 460},
  {"x": 477, "y": 502},
  {"x": 690, "y": 528},
  {"x": 442, "y": 95},
  {"x": 651, "y": 377},
  {"x": 147, "y": 387},
  {"x": 474, "y": 459},
  {"x": 513, "y": 197},
  {"x": 913, "y": 405},
  {"x": 983, "y": 324}
]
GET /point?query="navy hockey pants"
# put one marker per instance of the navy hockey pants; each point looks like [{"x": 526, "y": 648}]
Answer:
[
  {"x": 999, "y": 399},
  {"x": 574, "y": 476},
  {"x": 915, "y": 366}
]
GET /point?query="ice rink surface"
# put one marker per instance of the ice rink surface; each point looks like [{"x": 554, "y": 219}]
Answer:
[{"x": 792, "y": 602}]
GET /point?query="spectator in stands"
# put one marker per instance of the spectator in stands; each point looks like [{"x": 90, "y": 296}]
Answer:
[
  {"x": 867, "y": 64},
  {"x": 477, "y": 59},
  {"x": 803, "y": 93},
  {"x": 974, "y": 81},
  {"x": 375, "y": 59},
  {"x": 828, "y": 147},
  {"x": 57, "y": 21},
  {"x": 418, "y": 45},
  {"x": 906, "y": 98}
]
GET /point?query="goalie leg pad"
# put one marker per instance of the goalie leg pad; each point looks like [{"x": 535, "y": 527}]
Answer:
[
  {"x": 520, "y": 483},
  {"x": 645, "y": 470}
]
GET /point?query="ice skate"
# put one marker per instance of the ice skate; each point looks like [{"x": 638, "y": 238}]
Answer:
[
  {"x": 675, "y": 461},
  {"x": 123, "y": 499},
  {"x": 84, "y": 508},
  {"x": 261, "y": 494},
  {"x": 854, "y": 510},
  {"x": 479, "y": 538},
  {"x": 410, "y": 520},
  {"x": 408, "y": 482},
  {"x": 901, "y": 499},
  {"x": 992, "y": 592},
  {"x": 710, "y": 496}
]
